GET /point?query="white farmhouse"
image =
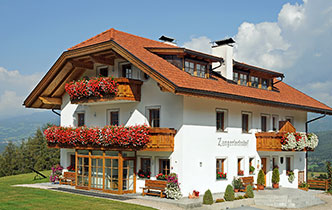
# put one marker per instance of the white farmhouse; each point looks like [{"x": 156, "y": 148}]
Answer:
[{"x": 205, "y": 114}]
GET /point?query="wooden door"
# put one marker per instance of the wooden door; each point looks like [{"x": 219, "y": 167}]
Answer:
[
  {"x": 300, "y": 177},
  {"x": 263, "y": 164},
  {"x": 264, "y": 167}
]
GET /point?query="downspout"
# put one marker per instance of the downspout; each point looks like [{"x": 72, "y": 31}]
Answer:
[
  {"x": 306, "y": 153},
  {"x": 281, "y": 78},
  {"x": 56, "y": 112}
]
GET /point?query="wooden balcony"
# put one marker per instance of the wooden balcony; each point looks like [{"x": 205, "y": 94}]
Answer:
[
  {"x": 128, "y": 90},
  {"x": 268, "y": 141},
  {"x": 161, "y": 139}
]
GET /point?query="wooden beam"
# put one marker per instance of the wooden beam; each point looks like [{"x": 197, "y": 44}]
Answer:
[
  {"x": 101, "y": 60},
  {"x": 50, "y": 100},
  {"x": 78, "y": 64}
]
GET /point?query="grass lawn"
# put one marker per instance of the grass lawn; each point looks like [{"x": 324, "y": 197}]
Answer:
[{"x": 29, "y": 198}]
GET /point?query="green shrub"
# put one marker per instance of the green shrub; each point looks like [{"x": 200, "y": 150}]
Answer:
[
  {"x": 237, "y": 183},
  {"x": 261, "y": 178},
  {"x": 207, "y": 198},
  {"x": 240, "y": 197},
  {"x": 251, "y": 169},
  {"x": 275, "y": 176},
  {"x": 249, "y": 192},
  {"x": 229, "y": 193}
]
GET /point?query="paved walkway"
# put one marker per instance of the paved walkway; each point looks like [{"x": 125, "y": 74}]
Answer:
[{"x": 267, "y": 199}]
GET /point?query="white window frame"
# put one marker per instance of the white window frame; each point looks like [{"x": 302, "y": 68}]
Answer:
[
  {"x": 225, "y": 120},
  {"x": 291, "y": 119},
  {"x": 147, "y": 114},
  {"x": 76, "y": 117},
  {"x": 108, "y": 117},
  {"x": 249, "y": 121},
  {"x": 102, "y": 67},
  {"x": 242, "y": 164},
  {"x": 225, "y": 158},
  {"x": 268, "y": 121}
]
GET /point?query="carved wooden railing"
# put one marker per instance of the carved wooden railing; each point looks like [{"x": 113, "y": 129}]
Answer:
[
  {"x": 128, "y": 89},
  {"x": 268, "y": 141},
  {"x": 161, "y": 139}
]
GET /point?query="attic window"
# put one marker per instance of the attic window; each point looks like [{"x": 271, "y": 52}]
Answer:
[
  {"x": 103, "y": 71},
  {"x": 195, "y": 69}
]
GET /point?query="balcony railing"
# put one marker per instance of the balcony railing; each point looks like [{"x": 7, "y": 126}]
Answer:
[
  {"x": 128, "y": 90},
  {"x": 161, "y": 139},
  {"x": 268, "y": 141}
]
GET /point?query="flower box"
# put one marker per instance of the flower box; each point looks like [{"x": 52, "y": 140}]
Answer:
[
  {"x": 161, "y": 176},
  {"x": 95, "y": 87},
  {"x": 240, "y": 173},
  {"x": 298, "y": 141},
  {"x": 221, "y": 175},
  {"x": 109, "y": 136}
]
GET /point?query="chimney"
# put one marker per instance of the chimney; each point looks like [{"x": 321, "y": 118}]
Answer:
[
  {"x": 167, "y": 40},
  {"x": 224, "y": 49}
]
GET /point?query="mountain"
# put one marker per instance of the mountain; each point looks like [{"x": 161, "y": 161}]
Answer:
[
  {"x": 21, "y": 127},
  {"x": 323, "y": 124}
]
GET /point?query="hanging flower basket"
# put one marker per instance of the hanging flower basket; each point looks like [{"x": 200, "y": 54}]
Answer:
[
  {"x": 109, "y": 136},
  {"x": 95, "y": 87}
]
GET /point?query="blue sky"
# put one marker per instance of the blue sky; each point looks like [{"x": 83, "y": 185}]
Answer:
[
  {"x": 35, "y": 33},
  {"x": 293, "y": 37}
]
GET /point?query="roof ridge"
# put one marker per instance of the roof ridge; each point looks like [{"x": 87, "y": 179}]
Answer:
[{"x": 111, "y": 30}]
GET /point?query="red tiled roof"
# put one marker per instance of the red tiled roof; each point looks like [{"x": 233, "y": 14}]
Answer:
[{"x": 137, "y": 46}]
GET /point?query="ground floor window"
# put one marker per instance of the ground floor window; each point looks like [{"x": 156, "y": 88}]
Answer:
[
  {"x": 288, "y": 164},
  {"x": 240, "y": 171},
  {"x": 220, "y": 168},
  {"x": 145, "y": 171},
  {"x": 251, "y": 165},
  {"x": 164, "y": 166}
]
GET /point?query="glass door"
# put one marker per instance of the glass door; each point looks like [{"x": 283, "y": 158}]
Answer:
[
  {"x": 112, "y": 175},
  {"x": 83, "y": 172},
  {"x": 96, "y": 173},
  {"x": 128, "y": 175}
]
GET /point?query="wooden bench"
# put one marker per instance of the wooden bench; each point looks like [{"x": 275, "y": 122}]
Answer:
[
  {"x": 249, "y": 180},
  {"x": 319, "y": 184},
  {"x": 68, "y": 178},
  {"x": 154, "y": 185}
]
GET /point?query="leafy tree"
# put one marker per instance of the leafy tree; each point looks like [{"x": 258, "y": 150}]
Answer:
[{"x": 329, "y": 174}]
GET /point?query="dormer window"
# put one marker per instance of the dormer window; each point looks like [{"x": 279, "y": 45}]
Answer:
[
  {"x": 127, "y": 71},
  {"x": 195, "y": 68},
  {"x": 265, "y": 83},
  {"x": 243, "y": 79},
  {"x": 254, "y": 81}
]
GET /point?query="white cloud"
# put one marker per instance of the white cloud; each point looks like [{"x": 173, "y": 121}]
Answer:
[
  {"x": 298, "y": 44},
  {"x": 14, "y": 88},
  {"x": 201, "y": 44}
]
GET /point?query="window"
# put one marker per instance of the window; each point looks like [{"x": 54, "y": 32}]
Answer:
[
  {"x": 264, "y": 123},
  {"x": 265, "y": 83},
  {"x": 240, "y": 171},
  {"x": 164, "y": 166},
  {"x": 254, "y": 81},
  {"x": 243, "y": 79},
  {"x": 275, "y": 162},
  {"x": 288, "y": 164},
  {"x": 220, "y": 165},
  {"x": 102, "y": 71},
  {"x": 245, "y": 122},
  {"x": 220, "y": 120},
  {"x": 290, "y": 119},
  {"x": 80, "y": 119},
  {"x": 200, "y": 69},
  {"x": 236, "y": 77},
  {"x": 251, "y": 165},
  {"x": 189, "y": 67},
  {"x": 72, "y": 161},
  {"x": 154, "y": 117},
  {"x": 274, "y": 122},
  {"x": 127, "y": 71},
  {"x": 114, "y": 117},
  {"x": 146, "y": 165}
]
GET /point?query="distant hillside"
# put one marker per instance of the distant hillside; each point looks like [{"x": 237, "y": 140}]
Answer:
[
  {"x": 322, "y": 153},
  {"x": 324, "y": 124},
  {"x": 17, "y": 128}
]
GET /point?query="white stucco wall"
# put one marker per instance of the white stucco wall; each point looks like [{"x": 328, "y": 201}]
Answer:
[{"x": 196, "y": 141}]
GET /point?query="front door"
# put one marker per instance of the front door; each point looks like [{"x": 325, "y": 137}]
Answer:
[{"x": 264, "y": 167}]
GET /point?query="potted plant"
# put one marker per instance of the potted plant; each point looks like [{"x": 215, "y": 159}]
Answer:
[
  {"x": 161, "y": 176},
  {"x": 251, "y": 169},
  {"x": 261, "y": 180},
  {"x": 221, "y": 175},
  {"x": 275, "y": 178},
  {"x": 304, "y": 186},
  {"x": 237, "y": 184},
  {"x": 291, "y": 176}
]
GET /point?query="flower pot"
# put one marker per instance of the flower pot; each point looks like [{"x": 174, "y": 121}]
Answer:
[
  {"x": 236, "y": 190},
  {"x": 275, "y": 186},
  {"x": 260, "y": 187}
]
